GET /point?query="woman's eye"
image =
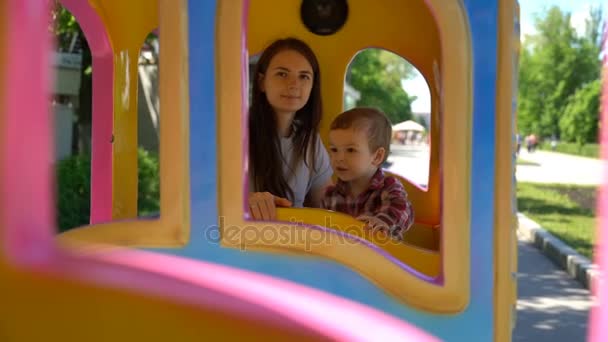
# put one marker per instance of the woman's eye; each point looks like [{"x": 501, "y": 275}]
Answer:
[
  {"x": 305, "y": 77},
  {"x": 281, "y": 74}
]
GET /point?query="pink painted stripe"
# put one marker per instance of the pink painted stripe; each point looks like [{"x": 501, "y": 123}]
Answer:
[
  {"x": 273, "y": 301},
  {"x": 598, "y": 331},
  {"x": 101, "y": 140},
  {"x": 245, "y": 104},
  {"x": 103, "y": 108},
  {"x": 27, "y": 156}
]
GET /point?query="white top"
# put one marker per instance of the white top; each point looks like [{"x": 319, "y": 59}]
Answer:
[{"x": 304, "y": 179}]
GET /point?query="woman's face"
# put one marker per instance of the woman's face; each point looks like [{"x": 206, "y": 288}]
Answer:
[{"x": 287, "y": 82}]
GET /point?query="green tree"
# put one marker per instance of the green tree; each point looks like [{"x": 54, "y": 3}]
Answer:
[
  {"x": 579, "y": 123},
  {"x": 63, "y": 24},
  {"x": 529, "y": 105},
  {"x": 420, "y": 120},
  {"x": 377, "y": 75},
  {"x": 554, "y": 63},
  {"x": 73, "y": 188}
]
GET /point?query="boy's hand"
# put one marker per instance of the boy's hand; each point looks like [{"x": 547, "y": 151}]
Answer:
[{"x": 377, "y": 229}]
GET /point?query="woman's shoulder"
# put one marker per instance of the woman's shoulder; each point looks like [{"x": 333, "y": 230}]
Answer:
[
  {"x": 318, "y": 141},
  {"x": 319, "y": 148}
]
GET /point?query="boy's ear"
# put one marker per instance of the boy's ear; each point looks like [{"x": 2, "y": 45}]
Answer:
[
  {"x": 379, "y": 156},
  {"x": 260, "y": 81}
]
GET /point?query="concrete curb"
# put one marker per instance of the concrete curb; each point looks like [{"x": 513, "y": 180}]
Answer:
[{"x": 576, "y": 265}]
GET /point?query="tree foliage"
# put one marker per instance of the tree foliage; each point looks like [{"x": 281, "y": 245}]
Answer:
[
  {"x": 556, "y": 63},
  {"x": 63, "y": 25},
  {"x": 377, "y": 75},
  {"x": 579, "y": 122}
]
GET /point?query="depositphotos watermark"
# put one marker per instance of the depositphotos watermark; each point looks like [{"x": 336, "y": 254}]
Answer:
[{"x": 292, "y": 232}]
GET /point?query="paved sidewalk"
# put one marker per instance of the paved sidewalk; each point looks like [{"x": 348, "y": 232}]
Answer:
[
  {"x": 548, "y": 167},
  {"x": 411, "y": 162},
  {"x": 554, "y": 167},
  {"x": 551, "y": 306}
]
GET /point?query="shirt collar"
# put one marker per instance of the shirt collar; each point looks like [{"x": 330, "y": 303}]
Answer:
[{"x": 375, "y": 183}]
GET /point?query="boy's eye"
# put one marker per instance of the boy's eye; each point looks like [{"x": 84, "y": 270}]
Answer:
[
  {"x": 351, "y": 150},
  {"x": 333, "y": 149}
]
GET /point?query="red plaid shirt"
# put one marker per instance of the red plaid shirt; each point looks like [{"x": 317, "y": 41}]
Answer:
[{"x": 384, "y": 204}]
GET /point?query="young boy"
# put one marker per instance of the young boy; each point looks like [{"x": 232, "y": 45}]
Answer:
[{"x": 359, "y": 143}]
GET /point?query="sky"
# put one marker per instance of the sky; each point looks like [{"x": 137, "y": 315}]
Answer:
[{"x": 417, "y": 86}]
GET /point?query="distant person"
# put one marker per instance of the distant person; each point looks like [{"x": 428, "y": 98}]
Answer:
[{"x": 533, "y": 142}]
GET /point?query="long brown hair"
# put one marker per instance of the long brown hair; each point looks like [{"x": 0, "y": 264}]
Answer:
[{"x": 265, "y": 158}]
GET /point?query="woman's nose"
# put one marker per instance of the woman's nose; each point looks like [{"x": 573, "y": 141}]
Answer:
[{"x": 292, "y": 82}]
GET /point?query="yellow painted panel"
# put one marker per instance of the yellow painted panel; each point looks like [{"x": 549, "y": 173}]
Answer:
[
  {"x": 505, "y": 221},
  {"x": 390, "y": 24},
  {"x": 451, "y": 77},
  {"x": 127, "y": 23},
  {"x": 173, "y": 227},
  {"x": 424, "y": 261},
  {"x": 39, "y": 307}
]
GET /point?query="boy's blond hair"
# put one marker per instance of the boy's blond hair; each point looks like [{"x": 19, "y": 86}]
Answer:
[{"x": 375, "y": 123}]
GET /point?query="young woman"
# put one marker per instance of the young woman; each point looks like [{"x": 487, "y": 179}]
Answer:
[{"x": 288, "y": 164}]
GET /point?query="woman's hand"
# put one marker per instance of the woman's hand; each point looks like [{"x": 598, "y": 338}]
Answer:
[{"x": 263, "y": 205}]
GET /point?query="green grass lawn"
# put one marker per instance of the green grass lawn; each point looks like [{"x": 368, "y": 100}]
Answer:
[
  {"x": 588, "y": 150},
  {"x": 567, "y": 211}
]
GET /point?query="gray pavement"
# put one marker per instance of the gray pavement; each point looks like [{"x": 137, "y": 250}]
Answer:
[
  {"x": 411, "y": 162},
  {"x": 553, "y": 167},
  {"x": 551, "y": 305}
]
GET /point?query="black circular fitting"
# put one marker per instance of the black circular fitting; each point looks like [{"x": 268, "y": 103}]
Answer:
[{"x": 324, "y": 17}]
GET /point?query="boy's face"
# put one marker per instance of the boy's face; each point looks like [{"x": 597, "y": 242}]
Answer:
[{"x": 350, "y": 155}]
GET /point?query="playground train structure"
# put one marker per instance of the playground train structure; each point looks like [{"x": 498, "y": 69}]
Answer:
[{"x": 202, "y": 270}]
